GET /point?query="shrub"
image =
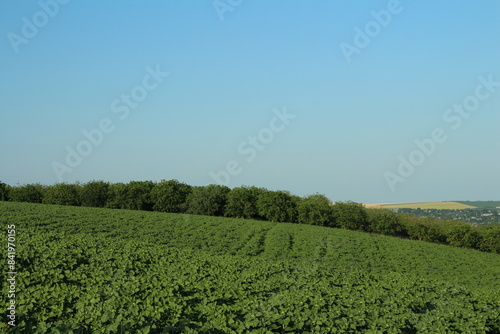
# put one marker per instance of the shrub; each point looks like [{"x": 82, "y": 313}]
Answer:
[
  {"x": 351, "y": 216},
  {"x": 490, "y": 239},
  {"x": 463, "y": 235},
  {"x": 277, "y": 206},
  {"x": 62, "y": 194},
  {"x": 138, "y": 195},
  {"x": 32, "y": 193},
  {"x": 316, "y": 210},
  {"x": 4, "y": 191},
  {"x": 209, "y": 200},
  {"x": 384, "y": 222},
  {"x": 117, "y": 196},
  {"x": 94, "y": 194},
  {"x": 242, "y": 203},
  {"x": 170, "y": 196}
]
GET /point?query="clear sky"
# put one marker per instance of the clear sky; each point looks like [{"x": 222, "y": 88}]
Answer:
[{"x": 305, "y": 96}]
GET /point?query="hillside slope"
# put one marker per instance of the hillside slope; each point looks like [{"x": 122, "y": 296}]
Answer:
[{"x": 96, "y": 269}]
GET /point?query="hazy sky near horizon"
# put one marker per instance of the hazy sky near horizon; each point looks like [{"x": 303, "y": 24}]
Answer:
[{"x": 370, "y": 101}]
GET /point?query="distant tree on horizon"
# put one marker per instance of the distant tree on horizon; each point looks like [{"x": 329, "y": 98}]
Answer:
[
  {"x": 277, "y": 206},
  {"x": 4, "y": 191},
  {"x": 385, "y": 222},
  {"x": 32, "y": 193},
  {"x": 316, "y": 209},
  {"x": 242, "y": 202},
  {"x": 170, "y": 196},
  {"x": 351, "y": 216},
  {"x": 208, "y": 200},
  {"x": 63, "y": 194},
  {"x": 94, "y": 194}
]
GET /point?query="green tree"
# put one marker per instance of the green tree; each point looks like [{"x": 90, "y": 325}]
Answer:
[
  {"x": 62, "y": 194},
  {"x": 170, "y": 196},
  {"x": 277, "y": 206},
  {"x": 316, "y": 210},
  {"x": 117, "y": 196},
  {"x": 417, "y": 231},
  {"x": 138, "y": 195},
  {"x": 352, "y": 216},
  {"x": 435, "y": 233},
  {"x": 242, "y": 203},
  {"x": 424, "y": 231},
  {"x": 208, "y": 200},
  {"x": 94, "y": 194},
  {"x": 4, "y": 191},
  {"x": 463, "y": 235},
  {"x": 385, "y": 222},
  {"x": 32, "y": 193},
  {"x": 490, "y": 238}
]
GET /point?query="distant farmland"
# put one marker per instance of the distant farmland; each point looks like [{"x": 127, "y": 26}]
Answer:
[
  {"x": 428, "y": 205},
  {"x": 483, "y": 204},
  {"x": 472, "y": 212}
]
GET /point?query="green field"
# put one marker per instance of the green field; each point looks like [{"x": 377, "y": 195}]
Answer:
[{"x": 86, "y": 270}]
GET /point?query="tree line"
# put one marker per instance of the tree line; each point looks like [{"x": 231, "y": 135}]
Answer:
[{"x": 251, "y": 202}]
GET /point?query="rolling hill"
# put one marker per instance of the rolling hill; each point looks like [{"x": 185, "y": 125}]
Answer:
[{"x": 89, "y": 270}]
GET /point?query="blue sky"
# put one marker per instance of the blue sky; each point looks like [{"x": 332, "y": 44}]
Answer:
[{"x": 232, "y": 67}]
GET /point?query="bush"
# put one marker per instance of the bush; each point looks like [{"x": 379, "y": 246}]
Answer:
[
  {"x": 117, "y": 196},
  {"x": 32, "y": 193},
  {"x": 463, "y": 235},
  {"x": 384, "y": 222},
  {"x": 242, "y": 203},
  {"x": 351, "y": 216},
  {"x": 423, "y": 231},
  {"x": 94, "y": 194},
  {"x": 316, "y": 210},
  {"x": 170, "y": 196},
  {"x": 4, "y": 191},
  {"x": 135, "y": 195},
  {"x": 62, "y": 194},
  {"x": 138, "y": 195},
  {"x": 490, "y": 238},
  {"x": 209, "y": 200},
  {"x": 277, "y": 206}
]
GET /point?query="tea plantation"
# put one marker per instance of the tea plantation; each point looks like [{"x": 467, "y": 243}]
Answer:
[{"x": 89, "y": 270}]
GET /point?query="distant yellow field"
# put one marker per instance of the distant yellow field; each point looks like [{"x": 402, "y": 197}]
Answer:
[{"x": 423, "y": 205}]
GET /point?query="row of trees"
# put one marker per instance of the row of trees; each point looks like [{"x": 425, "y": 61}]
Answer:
[{"x": 255, "y": 203}]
